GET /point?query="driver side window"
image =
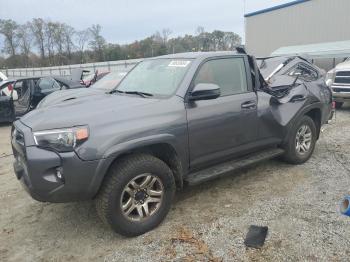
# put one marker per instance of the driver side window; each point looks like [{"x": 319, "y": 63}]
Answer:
[{"x": 228, "y": 73}]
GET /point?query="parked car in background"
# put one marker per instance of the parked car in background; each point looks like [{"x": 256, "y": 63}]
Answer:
[
  {"x": 89, "y": 79},
  {"x": 2, "y": 77},
  {"x": 26, "y": 93},
  {"x": 173, "y": 120},
  {"x": 338, "y": 79},
  {"x": 6, "y": 89},
  {"x": 106, "y": 84}
]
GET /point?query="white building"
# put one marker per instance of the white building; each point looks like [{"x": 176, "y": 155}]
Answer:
[{"x": 299, "y": 23}]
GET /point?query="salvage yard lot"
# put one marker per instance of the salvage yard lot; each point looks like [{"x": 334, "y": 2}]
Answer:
[{"x": 299, "y": 204}]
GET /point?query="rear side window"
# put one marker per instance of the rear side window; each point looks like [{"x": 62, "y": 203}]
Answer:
[
  {"x": 58, "y": 85},
  {"x": 229, "y": 74},
  {"x": 304, "y": 72},
  {"x": 46, "y": 83}
]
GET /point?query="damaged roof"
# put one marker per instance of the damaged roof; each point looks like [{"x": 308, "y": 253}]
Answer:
[{"x": 320, "y": 50}]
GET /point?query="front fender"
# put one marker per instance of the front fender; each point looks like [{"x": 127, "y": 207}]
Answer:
[{"x": 128, "y": 146}]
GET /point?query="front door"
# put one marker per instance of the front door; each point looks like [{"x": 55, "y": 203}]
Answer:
[
  {"x": 6, "y": 108},
  {"x": 219, "y": 127},
  {"x": 23, "y": 88}
]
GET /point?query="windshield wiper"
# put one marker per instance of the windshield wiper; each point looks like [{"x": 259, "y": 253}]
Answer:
[
  {"x": 142, "y": 94},
  {"x": 115, "y": 91}
]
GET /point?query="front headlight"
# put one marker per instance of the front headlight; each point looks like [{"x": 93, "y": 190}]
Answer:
[
  {"x": 330, "y": 77},
  {"x": 61, "y": 140}
]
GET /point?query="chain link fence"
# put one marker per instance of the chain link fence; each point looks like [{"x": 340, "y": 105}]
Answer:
[{"x": 118, "y": 66}]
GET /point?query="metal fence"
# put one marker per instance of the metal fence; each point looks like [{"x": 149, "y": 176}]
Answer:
[{"x": 119, "y": 66}]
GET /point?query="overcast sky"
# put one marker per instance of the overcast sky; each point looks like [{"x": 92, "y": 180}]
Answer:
[{"x": 124, "y": 21}]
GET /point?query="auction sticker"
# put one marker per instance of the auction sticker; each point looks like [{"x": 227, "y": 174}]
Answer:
[{"x": 179, "y": 63}]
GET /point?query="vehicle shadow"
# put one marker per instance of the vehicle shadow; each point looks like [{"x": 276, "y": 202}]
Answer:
[
  {"x": 345, "y": 107},
  {"x": 5, "y": 124},
  {"x": 238, "y": 178}
]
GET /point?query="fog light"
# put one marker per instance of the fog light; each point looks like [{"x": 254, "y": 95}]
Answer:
[{"x": 59, "y": 174}]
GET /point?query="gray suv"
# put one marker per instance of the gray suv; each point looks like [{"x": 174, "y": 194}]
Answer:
[{"x": 173, "y": 120}]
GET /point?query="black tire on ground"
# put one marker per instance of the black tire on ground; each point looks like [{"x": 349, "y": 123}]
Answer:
[
  {"x": 123, "y": 171},
  {"x": 338, "y": 105},
  {"x": 291, "y": 155}
]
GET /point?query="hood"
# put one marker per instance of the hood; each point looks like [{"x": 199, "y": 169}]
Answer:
[
  {"x": 69, "y": 94},
  {"x": 88, "y": 110},
  {"x": 343, "y": 66}
]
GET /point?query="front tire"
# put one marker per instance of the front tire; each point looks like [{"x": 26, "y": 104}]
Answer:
[
  {"x": 136, "y": 194},
  {"x": 302, "y": 141}
]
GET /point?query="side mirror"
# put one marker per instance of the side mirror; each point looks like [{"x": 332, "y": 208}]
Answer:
[{"x": 205, "y": 91}]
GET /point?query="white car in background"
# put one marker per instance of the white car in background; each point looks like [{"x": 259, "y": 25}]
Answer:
[
  {"x": 6, "y": 89},
  {"x": 2, "y": 77},
  {"x": 338, "y": 79}
]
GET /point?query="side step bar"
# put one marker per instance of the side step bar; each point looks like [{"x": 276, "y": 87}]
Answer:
[{"x": 223, "y": 168}]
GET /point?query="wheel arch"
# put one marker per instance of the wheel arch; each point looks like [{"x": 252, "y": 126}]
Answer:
[
  {"x": 313, "y": 111},
  {"x": 316, "y": 115},
  {"x": 164, "y": 149}
]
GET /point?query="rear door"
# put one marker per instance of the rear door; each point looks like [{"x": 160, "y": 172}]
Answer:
[{"x": 218, "y": 128}]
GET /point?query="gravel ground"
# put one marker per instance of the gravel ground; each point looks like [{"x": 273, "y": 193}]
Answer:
[{"x": 299, "y": 204}]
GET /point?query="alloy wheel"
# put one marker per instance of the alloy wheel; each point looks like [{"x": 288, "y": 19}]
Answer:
[
  {"x": 303, "y": 140},
  {"x": 142, "y": 197}
]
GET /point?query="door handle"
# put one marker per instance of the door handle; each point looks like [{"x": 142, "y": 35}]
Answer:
[
  {"x": 297, "y": 98},
  {"x": 248, "y": 105}
]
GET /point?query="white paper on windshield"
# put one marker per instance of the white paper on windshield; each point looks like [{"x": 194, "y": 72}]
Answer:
[{"x": 179, "y": 63}]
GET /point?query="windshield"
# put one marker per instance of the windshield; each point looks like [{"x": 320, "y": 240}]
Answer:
[
  {"x": 157, "y": 77},
  {"x": 109, "y": 81}
]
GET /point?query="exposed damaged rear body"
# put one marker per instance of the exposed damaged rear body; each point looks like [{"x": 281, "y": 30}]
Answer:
[{"x": 289, "y": 87}]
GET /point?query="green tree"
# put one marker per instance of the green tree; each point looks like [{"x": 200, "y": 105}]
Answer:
[
  {"x": 97, "y": 42},
  {"x": 8, "y": 28}
]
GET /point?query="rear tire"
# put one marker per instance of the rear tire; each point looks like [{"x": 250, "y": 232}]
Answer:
[
  {"x": 339, "y": 105},
  {"x": 302, "y": 141},
  {"x": 129, "y": 202}
]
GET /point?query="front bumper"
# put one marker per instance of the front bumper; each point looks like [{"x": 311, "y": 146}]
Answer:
[
  {"x": 53, "y": 177},
  {"x": 340, "y": 93}
]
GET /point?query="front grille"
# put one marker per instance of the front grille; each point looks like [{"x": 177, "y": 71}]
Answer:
[
  {"x": 343, "y": 73},
  {"x": 338, "y": 89},
  {"x": 342, "y": 77}
]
